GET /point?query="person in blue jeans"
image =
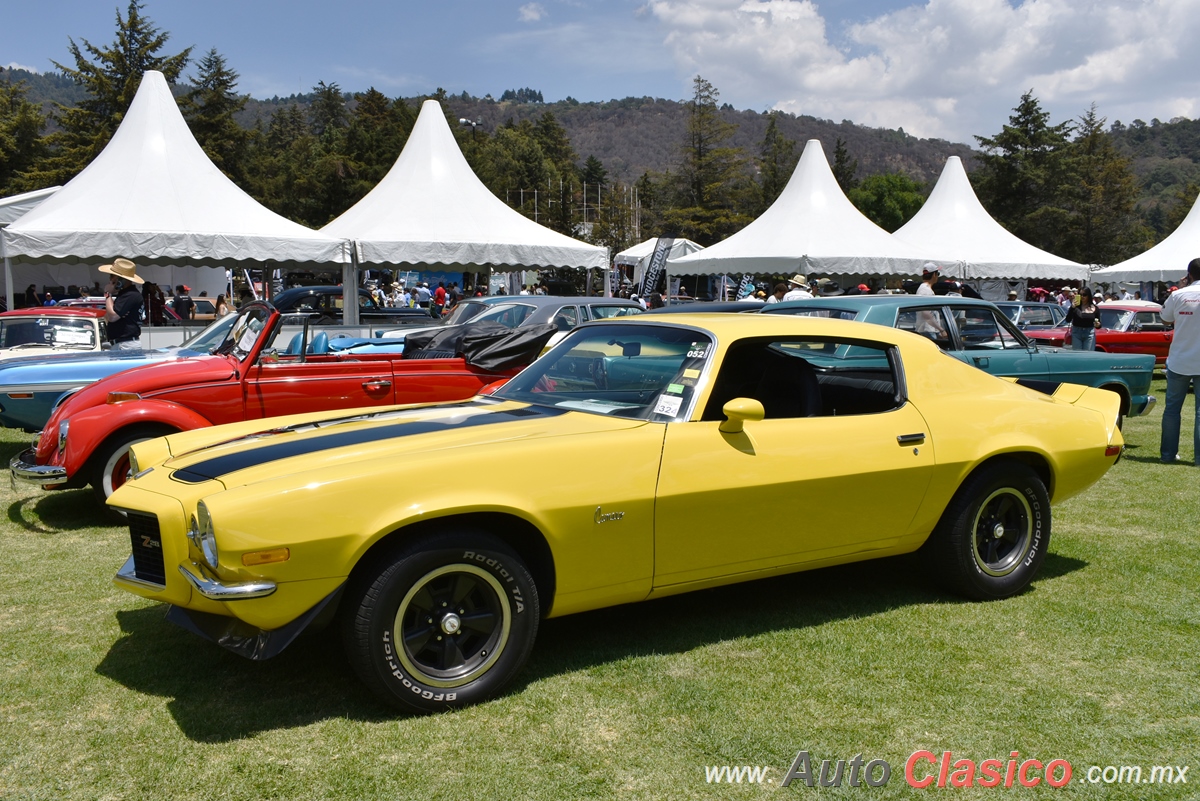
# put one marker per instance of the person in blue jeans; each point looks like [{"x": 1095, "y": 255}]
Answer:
[{"x": 1183, "y": 363}]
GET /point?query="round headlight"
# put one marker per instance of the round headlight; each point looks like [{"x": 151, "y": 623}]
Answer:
[
  {"x": 208, "y": 538},
  {"x": 63, "y": 428}
]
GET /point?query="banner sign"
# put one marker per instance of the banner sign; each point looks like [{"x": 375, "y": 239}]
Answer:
[
  {"x": 746, "y": 287},
  {"x": 657, "y": 267}
]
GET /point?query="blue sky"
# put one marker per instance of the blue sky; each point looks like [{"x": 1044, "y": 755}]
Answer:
[{"x": 945, "y": 68}]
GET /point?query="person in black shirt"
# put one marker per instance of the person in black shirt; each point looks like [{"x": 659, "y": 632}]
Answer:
[
  {"x": 185, "y": 307},
  {"x": 122, "y": 312},
  {"x": 1084, "y": 319}
]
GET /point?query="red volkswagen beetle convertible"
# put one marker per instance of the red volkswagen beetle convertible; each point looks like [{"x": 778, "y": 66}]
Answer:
[{"x": 88, "y": 436}]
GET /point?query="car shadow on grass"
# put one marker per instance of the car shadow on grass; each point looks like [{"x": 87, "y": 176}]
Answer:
[
  {"x": 66, "y": 510},
  {"x": 216, "y": 696},
  {"x": 681, "y": 623}
]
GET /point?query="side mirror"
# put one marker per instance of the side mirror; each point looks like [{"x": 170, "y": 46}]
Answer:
[
  {"x": 492, "y": 387},
  {"x": 270, "y": 357},
  {"x": 740, "y": 410}
]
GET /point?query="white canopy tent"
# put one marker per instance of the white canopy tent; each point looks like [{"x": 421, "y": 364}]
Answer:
[
  {"x": 432, "y": 209},
  {"x": 16, "y": 206},
  {"x": 639, "y": 255},
  {"x": 1166, "y": 262},
  {"x": 811, "y": 228},
  {"x": 153, "y": 196},
  {"x": 954, "y": 227}
]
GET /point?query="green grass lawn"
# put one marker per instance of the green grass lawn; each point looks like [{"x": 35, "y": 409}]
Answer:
[{"x": 1098, "y": 664}]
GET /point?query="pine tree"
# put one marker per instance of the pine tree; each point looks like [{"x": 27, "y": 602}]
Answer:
[
  {"x": 21, "y": 140},
  {"x": 1022, "y": 170},
  {"x": 593, "y": 171},
  {"x": 777, "y": 160},
  {"x": 111, "y": 75},
  {"x": 1104, "y": 226},
  {"x": 209, "y": 107},
  {"x": 844, "y": 168},
  {"x": 328, "y": 114}
]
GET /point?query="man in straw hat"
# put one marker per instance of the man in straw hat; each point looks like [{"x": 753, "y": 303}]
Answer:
[
  {"x": 122, "y": 311},
  {"x": 798, "y": 288}
]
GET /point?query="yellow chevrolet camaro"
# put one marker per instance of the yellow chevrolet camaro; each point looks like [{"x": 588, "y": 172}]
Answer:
[{"x": 618, "y": 467}]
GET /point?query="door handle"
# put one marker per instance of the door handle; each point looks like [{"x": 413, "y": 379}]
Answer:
[
  {"x": 981, "y": 361},
  {"x": 910, "y": 439},
  {"x": 379, "y": 384}
]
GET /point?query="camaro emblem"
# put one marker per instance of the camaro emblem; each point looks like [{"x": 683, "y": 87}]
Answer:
[
  {"x": 606, "y": 517},
  {"x": 147, "y": 542}
]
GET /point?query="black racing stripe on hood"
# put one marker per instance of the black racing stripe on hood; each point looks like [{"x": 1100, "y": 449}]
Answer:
[
  {"x": 1045, "y": 387},
  {"x": 231, "y": 463}
]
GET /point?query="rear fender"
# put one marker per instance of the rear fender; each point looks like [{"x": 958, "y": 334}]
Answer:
[{"x": 90, "y": 428}]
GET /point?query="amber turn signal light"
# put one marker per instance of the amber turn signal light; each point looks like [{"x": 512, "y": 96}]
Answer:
[
  {"x": 121, "y": 397},
  {"x": 266, "y": 557}
]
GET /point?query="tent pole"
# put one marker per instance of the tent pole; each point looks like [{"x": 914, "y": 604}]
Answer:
[
  {"x": 8, "y": 287},
  {"x": 350, "y": 288}
]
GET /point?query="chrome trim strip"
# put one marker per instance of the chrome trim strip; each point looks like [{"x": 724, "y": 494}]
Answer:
[
  {"x": 218, "y": 591},
  {"x": 127, "y": 576},
  {"x": 24, "y": 468}
]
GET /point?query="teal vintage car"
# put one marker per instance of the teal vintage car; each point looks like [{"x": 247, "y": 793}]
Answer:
[{"x": 978, "y": 333}]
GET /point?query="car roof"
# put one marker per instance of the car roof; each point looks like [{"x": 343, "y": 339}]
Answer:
[
  {"x": 551, "y": 300},
  {"x": 858, "y": 302},
  {"x": 703, "y": 307},
  {"x": 53, "y": 311},
  {"x": 1131, "y": 305}
]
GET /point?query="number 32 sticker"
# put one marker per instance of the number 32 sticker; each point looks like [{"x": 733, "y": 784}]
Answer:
[{"x": 668, "y": 405}]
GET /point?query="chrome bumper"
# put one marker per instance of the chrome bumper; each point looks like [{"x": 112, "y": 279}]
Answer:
[
  {"x": 25, "y": 469},
  {"x": 1150, "y": 401},
  {"x": 219, "y": 591}
]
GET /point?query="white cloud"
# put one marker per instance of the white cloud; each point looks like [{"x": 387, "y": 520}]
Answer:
[
  {"x": 947, "y": 68},
  {"x": 12, "y": 65},
  {"x": 531, "y": 12}
]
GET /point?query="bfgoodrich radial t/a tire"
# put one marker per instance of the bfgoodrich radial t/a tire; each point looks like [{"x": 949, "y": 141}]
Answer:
[
  {"x": 993, "y": 536},
  {"x": 446, "y": 621}
]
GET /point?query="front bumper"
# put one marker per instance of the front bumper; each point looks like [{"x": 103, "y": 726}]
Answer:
[{"x": 25, "y": 470}]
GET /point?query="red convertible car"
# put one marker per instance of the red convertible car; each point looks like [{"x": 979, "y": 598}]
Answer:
[
  {"x": 88, "y": 436},
  {"x": 1128, "y": 327}
]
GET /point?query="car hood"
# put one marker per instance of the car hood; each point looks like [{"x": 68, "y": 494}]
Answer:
[
  {"x": 81, "y": 368},
  {"x": 148, "y": 378},
  {"x": 322, "y": 444}
]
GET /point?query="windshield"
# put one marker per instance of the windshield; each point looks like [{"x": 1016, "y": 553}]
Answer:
[
  {"x": 244, "y": 333},
  {"x": 1115, "y": 319},
  {"x": 48, "y": 332},
  {"x": 463, "y": 312},
  {"x": 647, "y": 372},
  {"x": 212, "y": 336}
]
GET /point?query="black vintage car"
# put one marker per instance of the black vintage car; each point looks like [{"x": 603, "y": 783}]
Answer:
[{"x": 323, "y": 304}]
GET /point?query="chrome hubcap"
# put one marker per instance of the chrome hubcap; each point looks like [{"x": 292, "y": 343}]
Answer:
[{"x": 451, "y": 623}]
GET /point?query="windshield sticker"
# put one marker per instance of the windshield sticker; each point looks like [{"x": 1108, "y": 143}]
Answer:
[
  {"x": 674, "y": 389},
  {"x": 698, "y": 350},
  {"x": 669, "y": 405},
  {"x": 70, "y": 336},
  {"x": 690, "y": 373}
]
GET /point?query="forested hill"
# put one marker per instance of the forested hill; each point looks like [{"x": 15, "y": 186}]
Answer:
[{"x": 629, "y": 137}]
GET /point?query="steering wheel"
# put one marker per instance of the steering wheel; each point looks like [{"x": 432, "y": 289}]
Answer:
[{"x": 599, "y": 373}]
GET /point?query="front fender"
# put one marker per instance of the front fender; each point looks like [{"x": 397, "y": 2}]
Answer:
[{"x": 90, "y": 428}]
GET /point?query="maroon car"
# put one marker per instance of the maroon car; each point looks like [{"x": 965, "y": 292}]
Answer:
[
  {"x": 88, "y": 436},
  {"x": 1125, "y": 327}
]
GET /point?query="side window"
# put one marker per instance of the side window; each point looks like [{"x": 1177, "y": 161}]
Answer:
[
  {"x": 980, "y": 330},
  {"x": 566, "y": 318},
  {"x": 1031, "y": 315},
  {"x": 604, "y": 312},
  {"x": 808, "y": 377},
  {"x": 929, "y": 323},
  {"x": 1150, "y": 321}
]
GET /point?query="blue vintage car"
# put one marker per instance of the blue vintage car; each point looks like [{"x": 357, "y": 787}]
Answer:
[
  {"x": 978, "y": 333},
  {"x": 30, "y": 387}
]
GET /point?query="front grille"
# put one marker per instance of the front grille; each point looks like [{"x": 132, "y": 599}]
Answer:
[{"x": 146, "y": 540}]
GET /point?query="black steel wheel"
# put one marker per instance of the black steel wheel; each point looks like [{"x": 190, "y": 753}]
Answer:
[
  {"x": 994, "y": 534},
  {"x": 446, "y": 621}
]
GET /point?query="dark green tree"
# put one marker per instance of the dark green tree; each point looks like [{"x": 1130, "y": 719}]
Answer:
[
  {"x": 328, "y": 114},
  {"x": 776, "y": 162},
  {"x": 556, "y": 145},
  {"x": 111, "y": 75},
  {"x": 209, "y": 107},
  {"x": 844, "y": 167},
  {"x": 713, "y": 186},
  {"x": 376, "y": 135},
  {"x": 888, "y": 199},
  {"x": 1022, "y": 171},
  {"x": 1104, "y": 227},
  {"x": 593, "y": 171},
  {"x": 21, "y": 139}
]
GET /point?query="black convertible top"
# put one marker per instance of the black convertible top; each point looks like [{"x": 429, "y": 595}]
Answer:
[{"x": 486, "y": 345}]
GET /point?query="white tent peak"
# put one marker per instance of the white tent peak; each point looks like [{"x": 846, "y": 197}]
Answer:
[
  {"x": 431, "y": 208},
  {"x": 1166, "y": 262},
  {"x": 153, "y": 195},
  {"x": 811, "y": 227},
  {"x": 953, "y": 226}
]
